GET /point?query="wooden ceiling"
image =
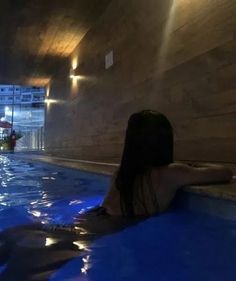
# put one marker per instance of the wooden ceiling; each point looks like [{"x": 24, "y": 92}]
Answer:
[{"x": 36, "y": 36}]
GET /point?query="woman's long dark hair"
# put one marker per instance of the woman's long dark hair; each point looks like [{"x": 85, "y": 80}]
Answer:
[{"x": 148, "y": 143}]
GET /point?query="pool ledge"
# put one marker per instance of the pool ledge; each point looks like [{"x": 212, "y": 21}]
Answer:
[
  {"x": 89, "y": 166},
  {"x": 219, "y": 191}
]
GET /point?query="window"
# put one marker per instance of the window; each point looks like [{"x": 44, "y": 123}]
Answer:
[{"x": 26, "y": 98}]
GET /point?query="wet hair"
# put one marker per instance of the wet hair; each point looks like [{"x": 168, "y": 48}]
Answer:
[{"x": 148, "y": 144}]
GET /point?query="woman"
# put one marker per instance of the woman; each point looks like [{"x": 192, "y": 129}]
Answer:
[{"x": 148, "y": 179}]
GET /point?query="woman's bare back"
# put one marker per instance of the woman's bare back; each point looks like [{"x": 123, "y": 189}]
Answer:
[{"x": 166, "y": 180}]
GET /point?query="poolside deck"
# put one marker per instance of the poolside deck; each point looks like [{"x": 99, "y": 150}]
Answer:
[{"x": 220, "y": 191}]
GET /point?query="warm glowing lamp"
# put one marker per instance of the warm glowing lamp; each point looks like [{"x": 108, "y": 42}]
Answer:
[{"x": 74, "y": 74}]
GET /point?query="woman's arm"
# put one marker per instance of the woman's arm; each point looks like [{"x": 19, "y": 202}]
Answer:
[{"x": 182, "y": 174}]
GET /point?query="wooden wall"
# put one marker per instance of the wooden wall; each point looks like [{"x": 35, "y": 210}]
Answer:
[{"x": 175, "y": 56}]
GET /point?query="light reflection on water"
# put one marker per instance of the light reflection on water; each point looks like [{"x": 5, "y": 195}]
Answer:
[{"x": 49, "y": 194}]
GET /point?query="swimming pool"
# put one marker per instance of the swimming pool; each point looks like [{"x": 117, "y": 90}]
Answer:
[{"x": 179, "y": 245}]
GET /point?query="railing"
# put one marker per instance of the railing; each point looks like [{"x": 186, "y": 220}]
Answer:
[{"x": 31, "y": 141}]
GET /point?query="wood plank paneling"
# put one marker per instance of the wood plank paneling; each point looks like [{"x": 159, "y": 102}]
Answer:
[{"x": 177, "y": 57}]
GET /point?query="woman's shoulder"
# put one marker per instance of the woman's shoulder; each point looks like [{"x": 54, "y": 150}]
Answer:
[
  {"x": 170, "y": 175},
  {"x": 171, "y": 169}
]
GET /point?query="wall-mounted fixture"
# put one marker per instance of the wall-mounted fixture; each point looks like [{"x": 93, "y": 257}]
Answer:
[
  {"x": 74, "y": 74},
  {"x": 47, "y": 90},
  {"x": 109, "y": 60},
  {"x": 49, "y": 102}
]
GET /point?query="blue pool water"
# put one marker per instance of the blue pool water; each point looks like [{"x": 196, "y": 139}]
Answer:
[
  {"x": 33, "y": 192},
  {"x": 181, "y": 245}
]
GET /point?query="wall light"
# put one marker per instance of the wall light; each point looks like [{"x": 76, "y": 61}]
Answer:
[
  {"x": 74, "y": 62},
  {"x": 49, "y": 101},
  {"x": 47, "y": 90},
  {"x": 74, "y": 74}
]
